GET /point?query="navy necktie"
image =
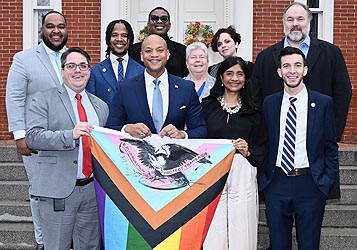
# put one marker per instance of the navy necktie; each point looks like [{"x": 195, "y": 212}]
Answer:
[
  {"x": 157, "y": 107},
  {"x": 288, "y": 155},
  {"x": 120, "y": 69}
]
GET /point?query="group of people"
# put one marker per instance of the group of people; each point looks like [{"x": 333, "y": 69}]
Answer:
[{"x": 277, "y": 112}]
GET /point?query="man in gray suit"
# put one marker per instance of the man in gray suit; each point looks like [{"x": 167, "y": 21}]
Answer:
[
  {"x": 60, "y": 120},
  {"x": 33, "y": 70}
]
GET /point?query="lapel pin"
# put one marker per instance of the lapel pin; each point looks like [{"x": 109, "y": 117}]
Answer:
[
  {"x": 176, "y": 87},
  {"x": 313, "y": 105},
  {"x": 104, "y": 70}
]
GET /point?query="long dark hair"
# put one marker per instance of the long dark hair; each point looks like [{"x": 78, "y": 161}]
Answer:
[
  {"x": 108, "y": 34},
  {"x": 248, "y": 105}
]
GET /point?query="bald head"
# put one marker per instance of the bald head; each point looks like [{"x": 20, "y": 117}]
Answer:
[{"x": 154, "y": 54}]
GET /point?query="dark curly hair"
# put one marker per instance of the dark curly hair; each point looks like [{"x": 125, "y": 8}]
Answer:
[
  {"x": 248, "y": 104},
  {"x": 229, "y": 30}
]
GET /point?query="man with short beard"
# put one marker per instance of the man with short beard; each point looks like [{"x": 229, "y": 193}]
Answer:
[
  {"x": 107, "y": 75},
  {"x": 327, "y": 68},
  {"x": 32, "y": 70}
]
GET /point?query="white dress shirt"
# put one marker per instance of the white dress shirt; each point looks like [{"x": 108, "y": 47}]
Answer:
[
  {"x": 164, "y": 88},
  {"x": 92, "y": 119},
  {"x": 115, "y": 63},
  {"x": 301, "y": 160}
]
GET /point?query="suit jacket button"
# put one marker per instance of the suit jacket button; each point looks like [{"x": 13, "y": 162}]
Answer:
[
  {"x": 75, "y": 162},
  {"x": 109, "y": 90}
]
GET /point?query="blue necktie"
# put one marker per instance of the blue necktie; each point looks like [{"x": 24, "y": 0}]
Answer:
[
  {"x": 157, "y": 109},
  {"x": 120, "y": 69},
  {"x": 58, "y": 61},
  {"x": 288, "y": 155}
]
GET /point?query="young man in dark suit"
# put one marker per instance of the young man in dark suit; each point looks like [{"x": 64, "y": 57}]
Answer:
[{"x": 302, "y": 160}]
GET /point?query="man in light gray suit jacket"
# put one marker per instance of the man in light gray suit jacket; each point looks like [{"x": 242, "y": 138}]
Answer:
[
  {"x": 34, "y": 70},
  {"x": 58, "y": 132}
]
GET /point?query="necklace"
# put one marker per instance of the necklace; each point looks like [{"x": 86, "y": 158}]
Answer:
[{"x": 229, "y": 110}]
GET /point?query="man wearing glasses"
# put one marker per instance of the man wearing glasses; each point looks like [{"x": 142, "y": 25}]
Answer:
[
  {"x": 159, "y": 24},
  {"x": 60, "y": 120}
]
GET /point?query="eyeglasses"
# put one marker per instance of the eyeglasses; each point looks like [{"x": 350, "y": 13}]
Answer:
[
  {"x": 155, "y": 18},
  {"x": 73, "y": 66}
]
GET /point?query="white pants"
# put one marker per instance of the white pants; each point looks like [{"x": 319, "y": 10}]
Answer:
[{"x": 235, "y": 222}]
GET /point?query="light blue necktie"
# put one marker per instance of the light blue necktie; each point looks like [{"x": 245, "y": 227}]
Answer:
[
  {"x": 157, "y": 107},
  {"x": 288, "y": 155},
  {"x": 58, "y": 61},
  {"x": 120, "y": 69}
]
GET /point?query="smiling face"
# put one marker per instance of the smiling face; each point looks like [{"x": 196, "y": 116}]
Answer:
[
  {"x": 233, "y": 79},
  {"x": 154, "y": 54},
  {"x": 159, "y": 23},
  {"x": 292, "y": 72},
  {"x": 226, "y": 46},
  {"x": 296, "y": 24},
  {"x": 54, "y": 31},
  {"x": 75, "y": 79},
  {"x": 119, "y": 41},
  {"x": 197, "y": 62}
]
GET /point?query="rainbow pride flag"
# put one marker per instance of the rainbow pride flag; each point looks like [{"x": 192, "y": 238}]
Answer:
[{"x": 157, "y": 193}]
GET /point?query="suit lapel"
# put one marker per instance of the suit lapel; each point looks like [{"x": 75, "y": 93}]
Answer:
[
  {"x": 276, "y": 50},
  {"x": 313, "y": 54},
  {"x": 63, "y": 95},
  {"x": 97, "y": 109},
  {"x": 106, "y": 69},
  {"x": 276, "y": 116},
  {"x": 142, "y": 100},
  {"x": 311, "y": 111},
  {"x": 45, "y": 60},
  {"x": 173, "y": 98}
]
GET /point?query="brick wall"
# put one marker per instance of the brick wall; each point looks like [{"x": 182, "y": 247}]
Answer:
[
  {"x": 268, "y": 29},
  {"x": 84, "y": 30},
  {"x": 83, "y": 19}
]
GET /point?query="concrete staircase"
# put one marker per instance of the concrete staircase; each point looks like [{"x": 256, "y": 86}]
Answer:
[
  {"x": 16, "y": 230},
  {"x": 339, "y": 231}
]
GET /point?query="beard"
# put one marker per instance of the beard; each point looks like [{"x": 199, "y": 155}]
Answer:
[
  {"x": 297, "y": 38},
  {"x": 52, "y": 46}
]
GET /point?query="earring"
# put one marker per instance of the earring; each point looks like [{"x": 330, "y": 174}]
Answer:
[{"x": 222, "y": 85}]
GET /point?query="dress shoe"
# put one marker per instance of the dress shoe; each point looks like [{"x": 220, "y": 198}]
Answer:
[{"x": 40, "y": 247}]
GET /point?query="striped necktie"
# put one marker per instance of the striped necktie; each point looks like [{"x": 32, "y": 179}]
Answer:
[
  {"x": 120, "y": 69},
  {"x": 288, "y": 155}
]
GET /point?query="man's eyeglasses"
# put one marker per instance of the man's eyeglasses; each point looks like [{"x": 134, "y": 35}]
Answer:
[
  {"x": 73, "y": 66},
  {"x": 155, "y": 18}
]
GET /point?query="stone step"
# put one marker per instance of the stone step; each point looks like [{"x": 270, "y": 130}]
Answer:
[
  {"x": 335, "y": 216},
  {"x": 331, "y": 238},
  {"x": 15, "y": 208},
  {"x": 348, "y": 175},
  {"x": 348, "y": 194},
  {"x": 9, "y": 153},
  {"x": 19, "y": 236},
  {"x": 14, "y": 190},
  {"x": 12, "y": 171},
  {"x": 348, "y": 157}
]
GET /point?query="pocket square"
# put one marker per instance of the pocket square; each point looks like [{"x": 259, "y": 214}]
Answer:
[{"x": 183, "y": 107}]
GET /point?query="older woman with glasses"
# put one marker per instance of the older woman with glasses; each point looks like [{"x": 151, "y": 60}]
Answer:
[
  {"x": 231, "y": 114},
  {"x": 197, "y": 64}
]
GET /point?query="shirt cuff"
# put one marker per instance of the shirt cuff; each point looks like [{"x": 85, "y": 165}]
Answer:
[{"x": 19, "y": 134}]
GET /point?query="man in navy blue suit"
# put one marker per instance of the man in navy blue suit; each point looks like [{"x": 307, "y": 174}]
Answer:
[
  {"x": 106, "y": 76},
  {"x": 132, "y": 107},
  {"x": 298, "y": 193}
]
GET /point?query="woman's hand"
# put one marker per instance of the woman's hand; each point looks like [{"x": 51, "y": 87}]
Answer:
[{"x": 242, "y": 146}]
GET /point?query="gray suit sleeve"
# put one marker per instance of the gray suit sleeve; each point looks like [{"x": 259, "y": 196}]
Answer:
[{"x": 39, "y": 135}]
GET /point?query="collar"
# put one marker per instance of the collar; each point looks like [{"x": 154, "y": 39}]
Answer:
[
  {"x": 149, "y": 78},
  {"x": 113, "y": 58},
  {"x": 299, "y": 96},
  {"x": 306, "y": 41},
  {"x": 72, "y": 94},
  {"x": 50, "y": 51}
]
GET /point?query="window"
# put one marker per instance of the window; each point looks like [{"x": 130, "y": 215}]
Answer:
[
  {"x": 34, "y": 10},
  {"x": 322, "y": 22}
]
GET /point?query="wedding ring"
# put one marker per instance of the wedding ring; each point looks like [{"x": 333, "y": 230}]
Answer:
[{"x": 142, "y": 133}]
